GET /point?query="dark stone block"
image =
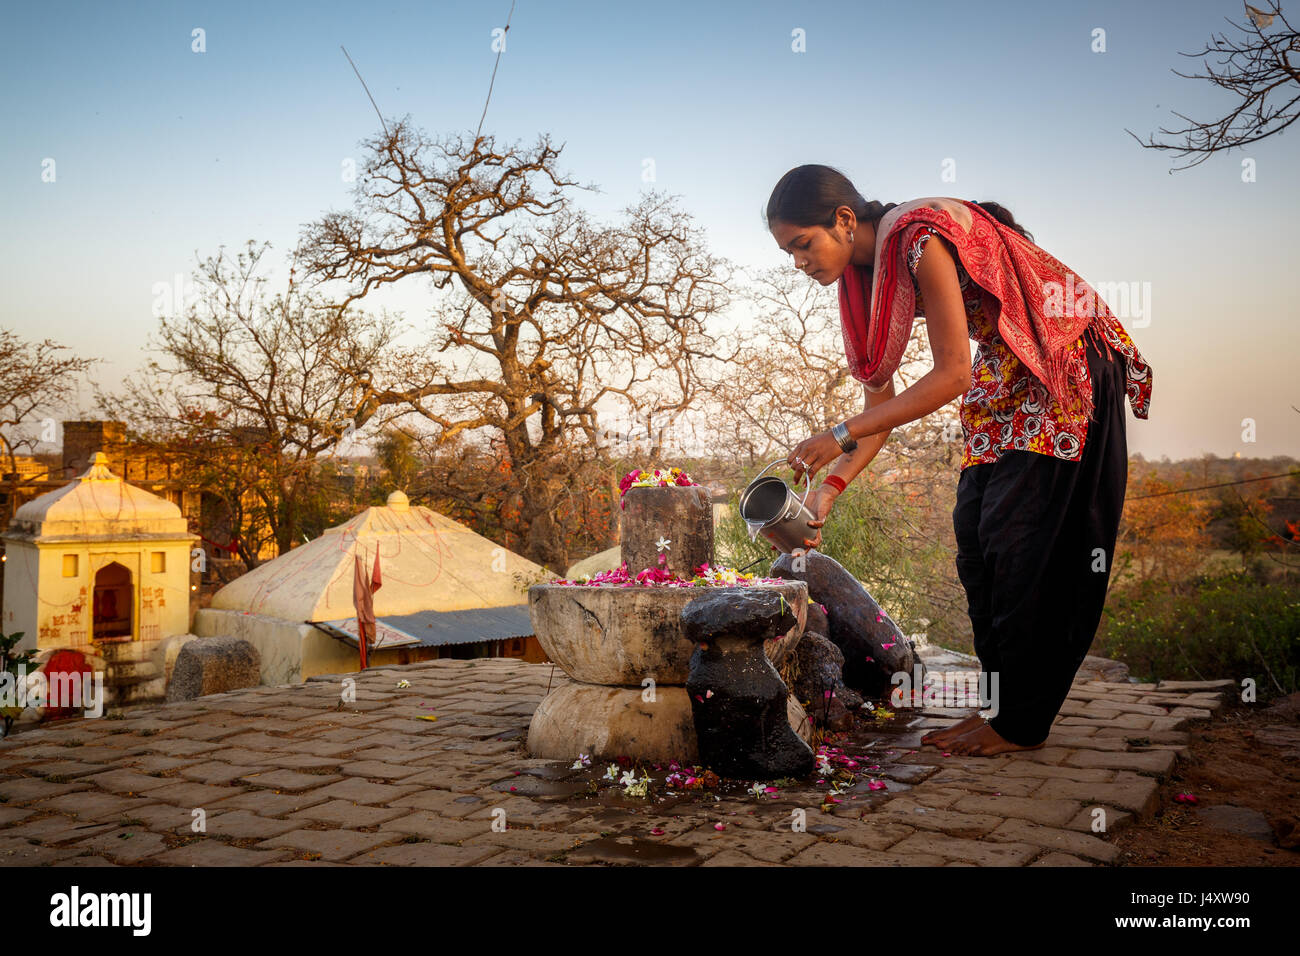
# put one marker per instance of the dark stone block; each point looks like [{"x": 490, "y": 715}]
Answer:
[
  {"x": 821, "y": 670},
  {"x": 753, "y": 613},
  {"x": 858, "y": 625},
  {"x": 738, "y": 701}
]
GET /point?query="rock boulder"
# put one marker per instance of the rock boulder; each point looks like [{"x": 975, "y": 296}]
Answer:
[
  {"x": 214, "y": 665},
  {"x": 874, "y": 647}
]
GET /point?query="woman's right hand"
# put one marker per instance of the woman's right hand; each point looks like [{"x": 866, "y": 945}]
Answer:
[{"x": 819, "y": 503}]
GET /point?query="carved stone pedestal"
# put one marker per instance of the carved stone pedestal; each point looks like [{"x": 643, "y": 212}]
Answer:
[{"x": 626, "y": 648}]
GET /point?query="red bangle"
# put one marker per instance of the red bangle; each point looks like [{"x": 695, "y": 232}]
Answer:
[{"x": 836, "y": 482}]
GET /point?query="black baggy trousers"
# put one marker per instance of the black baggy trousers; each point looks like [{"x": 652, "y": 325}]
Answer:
[{"x": 1035, "y": 542}]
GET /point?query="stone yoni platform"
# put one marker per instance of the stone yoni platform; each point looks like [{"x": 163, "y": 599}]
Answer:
[{"x": 294, "y": 776}]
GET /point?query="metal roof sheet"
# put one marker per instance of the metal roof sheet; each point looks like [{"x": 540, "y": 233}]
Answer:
[{"x": 436, "y": 628}]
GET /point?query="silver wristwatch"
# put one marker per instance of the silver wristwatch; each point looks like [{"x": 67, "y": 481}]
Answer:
[{"x": 840, "y": 433}]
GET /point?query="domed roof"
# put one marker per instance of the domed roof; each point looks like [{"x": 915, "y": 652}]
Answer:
[
  {"x": 98, "y": 504},
  {"x": 428, "y": 562}
]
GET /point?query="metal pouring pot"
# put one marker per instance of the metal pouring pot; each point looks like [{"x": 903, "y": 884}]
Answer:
[{"x": 770, "y": 507}]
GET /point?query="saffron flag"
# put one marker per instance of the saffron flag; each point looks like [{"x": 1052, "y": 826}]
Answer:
[{"x": 364, "y": 600}]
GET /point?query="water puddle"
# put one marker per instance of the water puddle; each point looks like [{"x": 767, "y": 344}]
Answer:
[
  {"x": 527, "y": 785},
  {"x": 631, "y": 850},
  {"x": 550, "y": 772},
  {"x": 873, "y": 751}
]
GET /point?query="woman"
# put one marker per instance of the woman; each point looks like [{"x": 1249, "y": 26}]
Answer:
[{"x": 1045, "y": 459}]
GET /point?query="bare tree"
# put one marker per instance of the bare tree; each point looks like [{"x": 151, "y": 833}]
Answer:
[
  {"x": 1254, "y": 67},
  {"x": 472, "y": 482},
  {"x": 547, "y": 313},
  {"x": 248, "y": 393},
  {"x": 788, "y": 380},
  {"x": 35, "y": 377}
]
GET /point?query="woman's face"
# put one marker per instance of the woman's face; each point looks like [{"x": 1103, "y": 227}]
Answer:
[{"x": 820, "y": 253}]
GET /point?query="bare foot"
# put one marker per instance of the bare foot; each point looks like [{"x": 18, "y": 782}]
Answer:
[
  {"x": 984, "y": 742},
  {"x": 942, "y": 736}
]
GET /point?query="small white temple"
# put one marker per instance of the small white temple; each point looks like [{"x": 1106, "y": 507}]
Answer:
[
  {"x": 443, "y": 585},
  {"x": 96, "y": 564}
]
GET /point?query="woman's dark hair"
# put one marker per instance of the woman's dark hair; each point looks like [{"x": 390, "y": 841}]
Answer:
[{"x": 809, "y": 195}]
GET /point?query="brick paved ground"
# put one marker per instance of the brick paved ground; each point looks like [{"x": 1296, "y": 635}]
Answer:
[{"x": 290, "y": 776}]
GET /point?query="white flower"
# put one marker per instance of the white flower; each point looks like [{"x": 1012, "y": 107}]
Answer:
[
  {"x": 582, "y": 761},
  {"x": 663, "y": 543},
  {"x": 628, "y": 779},
  {"x": 611, "y": 773},
  {"x": 403, "y": 683},
  {"x": 758, "y": 789}
]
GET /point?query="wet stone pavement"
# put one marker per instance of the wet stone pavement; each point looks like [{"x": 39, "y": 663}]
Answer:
[{"x": 294, "y": 776}]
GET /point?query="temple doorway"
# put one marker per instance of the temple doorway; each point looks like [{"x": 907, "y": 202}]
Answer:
[{"x": 113, "y": 603}]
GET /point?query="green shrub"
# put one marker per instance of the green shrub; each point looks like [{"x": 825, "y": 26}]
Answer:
[
  {"x": 1229, "y": 625},
  {"x": 12, "y": 662}
]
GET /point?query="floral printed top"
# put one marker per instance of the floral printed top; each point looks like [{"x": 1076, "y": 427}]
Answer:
[{"x": 1026, "y": 417}]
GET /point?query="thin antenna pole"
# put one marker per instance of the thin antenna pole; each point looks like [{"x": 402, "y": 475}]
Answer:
[
  {"x": 506, "y": 32},
  {"x": 367, "y": 89}
]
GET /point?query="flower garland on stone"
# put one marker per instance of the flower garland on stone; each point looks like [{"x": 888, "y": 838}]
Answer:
[
  {"x": 705, "y": 575},
  {"x": 659, "y": 478}
]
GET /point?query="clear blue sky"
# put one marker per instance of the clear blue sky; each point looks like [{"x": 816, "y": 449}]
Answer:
[{"x": 164, "y": 154}]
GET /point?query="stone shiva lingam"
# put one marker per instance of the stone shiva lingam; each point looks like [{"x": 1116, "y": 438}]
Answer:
[
  {"x": 622, "y": 638},
  {"x": 737, "y": 697}
]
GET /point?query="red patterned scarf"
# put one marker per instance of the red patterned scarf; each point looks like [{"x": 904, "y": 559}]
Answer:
[{"x": 1044, "y": 307}]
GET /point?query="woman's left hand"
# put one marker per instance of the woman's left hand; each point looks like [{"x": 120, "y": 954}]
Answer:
[{"x": 812, "y": 455}]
